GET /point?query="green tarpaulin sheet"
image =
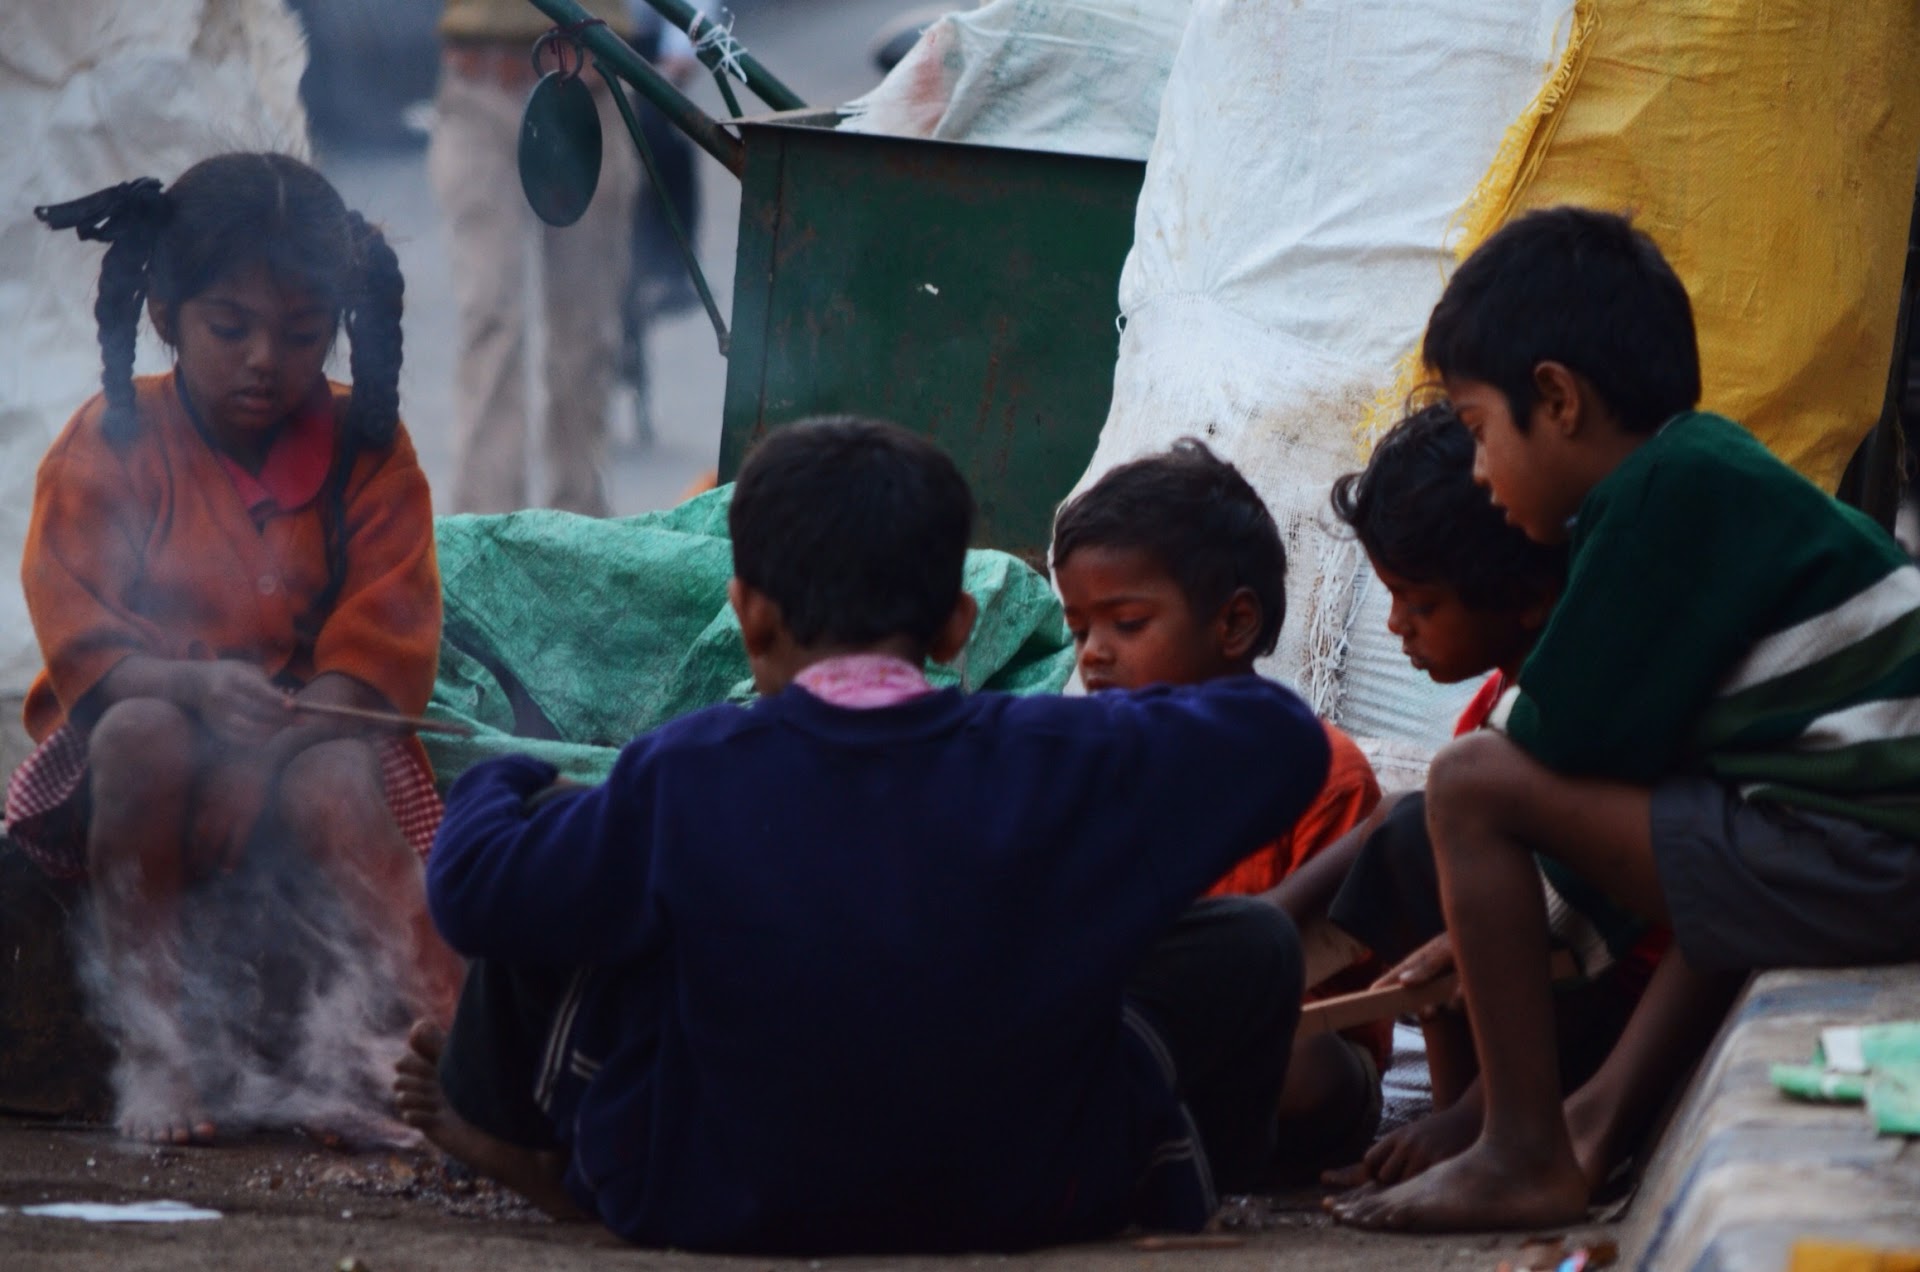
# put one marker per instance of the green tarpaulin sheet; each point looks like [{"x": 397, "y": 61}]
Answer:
[{"x": 567, "y": 636}]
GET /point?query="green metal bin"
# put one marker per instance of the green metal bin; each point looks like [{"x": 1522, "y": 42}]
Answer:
[
  {"x": 970, "y": 293},
  {"x": 967, "y": 292}
]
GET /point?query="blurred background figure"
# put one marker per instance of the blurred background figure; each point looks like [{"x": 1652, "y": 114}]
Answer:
[
  {"x": 486, "y": 73},
  {"x": 660, "y": 287},
  {"x": 370, "y": 87}
]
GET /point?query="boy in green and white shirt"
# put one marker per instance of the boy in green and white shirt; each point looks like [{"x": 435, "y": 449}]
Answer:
[{"x": 1719, "y": 727}]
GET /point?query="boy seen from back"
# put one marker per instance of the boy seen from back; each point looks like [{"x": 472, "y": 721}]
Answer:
[
  {"x": 869, "y": 966},
  {"x": 1173, "y": 572},
  {"x": 1719, "y": 727}
]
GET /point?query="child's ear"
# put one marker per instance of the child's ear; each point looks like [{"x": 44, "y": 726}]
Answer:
[
  {"x": 1557, "y": 399},
  {"x": 1238, "y": 625},
  {"x": 760, "y": 620},
  {"x": 953, "y": 636}
]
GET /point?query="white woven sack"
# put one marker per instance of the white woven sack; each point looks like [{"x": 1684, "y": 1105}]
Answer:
[
  {"x": 1291, "y": 241},
  {"x": 1073, "y": 76},
  {"x": 96, "y": 92}
]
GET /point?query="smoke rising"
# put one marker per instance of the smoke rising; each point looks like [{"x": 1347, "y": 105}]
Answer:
[{"x": 291, "y": 1011}]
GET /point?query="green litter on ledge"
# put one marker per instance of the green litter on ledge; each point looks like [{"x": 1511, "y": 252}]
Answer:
[{"x": 1877, "y": 1064}]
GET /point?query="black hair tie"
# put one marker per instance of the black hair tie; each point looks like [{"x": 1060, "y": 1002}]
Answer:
[{"x": 107, "y": 215}]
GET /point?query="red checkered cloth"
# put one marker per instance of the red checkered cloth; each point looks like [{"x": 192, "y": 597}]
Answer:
[{"x": 46, "y": 813}]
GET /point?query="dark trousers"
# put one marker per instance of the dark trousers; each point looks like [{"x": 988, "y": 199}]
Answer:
[
  {"x": 1221, "y": 991},
  {"x": 1390, "y": 901},
  {"x": 493, "y": 1068}
]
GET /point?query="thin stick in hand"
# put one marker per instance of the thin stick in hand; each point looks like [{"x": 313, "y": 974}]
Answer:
[{"x": 392, "y": 720}]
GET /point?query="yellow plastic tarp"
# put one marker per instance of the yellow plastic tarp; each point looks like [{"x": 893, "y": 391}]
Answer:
[{"x": 1769, "y": 147}]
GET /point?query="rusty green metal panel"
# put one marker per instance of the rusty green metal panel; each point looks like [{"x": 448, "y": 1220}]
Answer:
[{"x": 969, "y": 293}]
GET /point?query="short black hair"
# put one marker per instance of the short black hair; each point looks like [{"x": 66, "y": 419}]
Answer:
[
  {"x": 1578, "y": 287},
  {"x": 1200, "y": 521},
  {"x": 1417, "y": 512},
  {"x": 856, "y": 528}
]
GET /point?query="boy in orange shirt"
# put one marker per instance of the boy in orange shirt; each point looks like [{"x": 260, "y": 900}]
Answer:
[{"x": 1172, "y": 571}]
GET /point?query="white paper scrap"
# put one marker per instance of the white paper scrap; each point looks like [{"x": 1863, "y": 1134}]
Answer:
[{"x": 125, "y": 1212}]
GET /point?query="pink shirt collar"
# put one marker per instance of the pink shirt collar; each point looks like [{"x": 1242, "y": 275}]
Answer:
[
  {"x": 863, "y": 682},
  {"x": 296, "y": 466}
]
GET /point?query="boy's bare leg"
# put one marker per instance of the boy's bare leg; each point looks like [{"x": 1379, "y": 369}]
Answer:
[
  {"x": 1488, "y": 806},
  {"x": 1669, "y": 1031},
  {"x": 332, "y": 799},
  {"x": 143, "y": 758},
  {"x": 1453, "y": 1069},
  {"x": 534, "y": 1175}
]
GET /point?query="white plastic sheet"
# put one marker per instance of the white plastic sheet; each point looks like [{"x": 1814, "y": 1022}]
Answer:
[
  {"x": 96, "y": 92},
  {"x": 1073, "y": 76},
  {"x": 1292, "y": 237}
]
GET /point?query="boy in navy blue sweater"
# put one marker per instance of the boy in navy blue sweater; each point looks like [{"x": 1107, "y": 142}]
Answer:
[{"x": 868, "y": 966}]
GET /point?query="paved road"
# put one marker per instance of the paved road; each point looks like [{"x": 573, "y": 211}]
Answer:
[
  {"x": 286, "y": 1208},
  {"x": 819, "y": 47}
]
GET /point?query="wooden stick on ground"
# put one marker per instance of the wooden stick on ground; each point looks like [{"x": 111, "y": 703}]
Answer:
[
  {"x": 1385, "y": 1002},
  {"x": 391, "y": 720}
]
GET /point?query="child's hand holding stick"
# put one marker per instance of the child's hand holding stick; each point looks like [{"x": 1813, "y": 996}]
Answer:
[{"x": 392, "y": 721}]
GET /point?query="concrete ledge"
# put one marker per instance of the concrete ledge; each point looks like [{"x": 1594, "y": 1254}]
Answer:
[{"x": 1743, "y": 1172}]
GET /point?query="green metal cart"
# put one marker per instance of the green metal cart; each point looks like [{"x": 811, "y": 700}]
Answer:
[{"x": 967, "y": 292}]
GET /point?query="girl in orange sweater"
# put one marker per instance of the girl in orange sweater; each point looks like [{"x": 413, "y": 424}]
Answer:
[{"x": 211, "y": 550}]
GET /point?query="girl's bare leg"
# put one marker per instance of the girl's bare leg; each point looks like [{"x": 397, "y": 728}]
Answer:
[
  {"x": 143, "y": 756},
  {"x": 333, "y": 802}
]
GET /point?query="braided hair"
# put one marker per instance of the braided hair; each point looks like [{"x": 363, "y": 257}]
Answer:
[{"x": 223, "y": 215}]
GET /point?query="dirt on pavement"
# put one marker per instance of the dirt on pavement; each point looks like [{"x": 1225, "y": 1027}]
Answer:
[{"x": 288, "y": 1205}]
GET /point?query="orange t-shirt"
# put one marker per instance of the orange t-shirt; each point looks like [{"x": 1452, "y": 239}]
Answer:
[
  {"x": 152, "y": 547},
  {"x": 1350, "y": 793}
]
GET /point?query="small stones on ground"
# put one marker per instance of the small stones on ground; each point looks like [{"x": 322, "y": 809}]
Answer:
[{"x": 1257, "y": 1214}]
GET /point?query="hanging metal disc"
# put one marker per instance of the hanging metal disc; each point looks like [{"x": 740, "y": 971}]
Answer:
[{"x": 560, "y": 148}]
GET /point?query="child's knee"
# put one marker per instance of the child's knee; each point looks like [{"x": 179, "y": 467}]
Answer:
[
  {"x": 140, "y": 747},
  {"x": 1266, "y": 945},
  {"x": 1470, "y": 770},
  {"x": 330, "y": 782}
]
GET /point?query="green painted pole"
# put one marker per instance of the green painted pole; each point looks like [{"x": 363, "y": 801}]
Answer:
[
  {"x": 619, "y": 56},
  {"x": 721, "y": 52}
]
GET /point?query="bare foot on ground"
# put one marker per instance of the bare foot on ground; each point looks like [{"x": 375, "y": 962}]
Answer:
[
  {"x": 1484, "y": 1188},
  {"x": 1595, "y": 1138},
  {"x": 158, "y": 1103},
  {"x": 423, "y": 1106},
  {"x": 1413, "y": 1149}
]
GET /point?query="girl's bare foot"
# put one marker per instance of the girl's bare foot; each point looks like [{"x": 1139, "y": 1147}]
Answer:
[
  {"x": 1484, "y": 1188},
  {"x": 158, "y": 1103},
  {"x": 423, "y": 1106}
]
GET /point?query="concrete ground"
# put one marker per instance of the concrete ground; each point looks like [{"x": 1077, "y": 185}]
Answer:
[{"x": 286, "y": 1207}]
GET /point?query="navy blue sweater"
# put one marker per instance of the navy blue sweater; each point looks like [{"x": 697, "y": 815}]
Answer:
[{"x": 859, "y": 974}]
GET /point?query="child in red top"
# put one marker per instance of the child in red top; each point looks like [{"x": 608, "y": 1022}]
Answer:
[
  {"x": 1469, "y": 594},
  {"x": 211, "y": 550},
  {"x": 1172, "y": 571}
]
